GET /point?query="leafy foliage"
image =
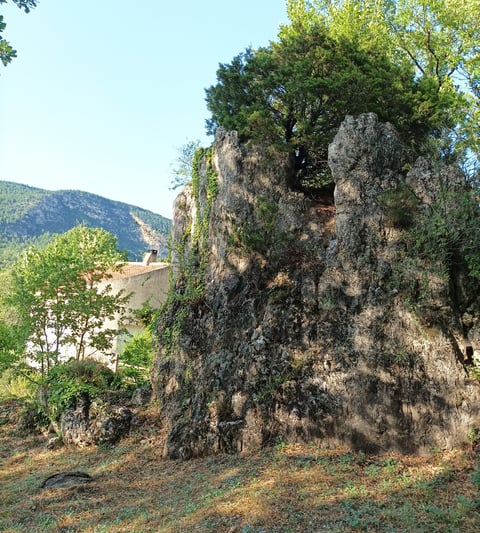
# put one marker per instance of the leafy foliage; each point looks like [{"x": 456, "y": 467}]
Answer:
[
  {"x": 139, "y": 350},
  {"x": 136, "y": 359},
  {"x": 13, "y": 334},
  {"x": 400, "y": 205},
  {"x": 449, "y": 233},
  {"x": 11, "y": 246},
  {"x": 182, "y": 172},
  {"x": 66, "y": 382},
  {"x": 26, "y": 5},
  {"x": 7, "y": 53},
  {"x": 402, "y": 60},
  {"x": 438, "y": 253},
  {"x": 190, "y": 256},
  {"x": 11, "y": 344},
  {"x": 56, "y": 294},
  {"x": 437, "y": 38},
  {"x": 295, "y": 93}
]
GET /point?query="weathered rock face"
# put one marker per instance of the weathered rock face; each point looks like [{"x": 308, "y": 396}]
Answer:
[
  {"x": 85, "y": 425},
  {"x": 303, "y": 330}
]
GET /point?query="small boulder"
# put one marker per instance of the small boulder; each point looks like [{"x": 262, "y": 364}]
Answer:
[
  {"x": 65, "y": 480},
  {"x": 141, "y": 396},
  {"x": 112, "y": 426}
]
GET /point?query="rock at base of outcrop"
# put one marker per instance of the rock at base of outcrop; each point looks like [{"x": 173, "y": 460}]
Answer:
[
  {"x": 141, "y": 396},
  {"x": 110, "y": 427},
  {"x": 86, "y": 424}
]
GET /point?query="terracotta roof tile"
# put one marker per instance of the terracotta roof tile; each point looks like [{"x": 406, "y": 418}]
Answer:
[{"x": 136, "y": 269}]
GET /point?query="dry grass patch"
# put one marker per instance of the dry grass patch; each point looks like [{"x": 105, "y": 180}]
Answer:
[{"x": 283, "y": 489}]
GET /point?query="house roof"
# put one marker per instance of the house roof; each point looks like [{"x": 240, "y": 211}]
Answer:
[{"x": 129, "y": 270}]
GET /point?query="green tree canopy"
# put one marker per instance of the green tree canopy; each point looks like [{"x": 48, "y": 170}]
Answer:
[
  {"x": 56, "y": 296},
  {"x": 295, "y": 93},
  {"x": 7, "y": 53},
  {"x": 440, "y": 39},
  {"x": 400, "y": 59}
]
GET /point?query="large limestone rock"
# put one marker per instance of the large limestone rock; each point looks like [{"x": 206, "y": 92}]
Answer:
[{"x": 303, "y": 330}]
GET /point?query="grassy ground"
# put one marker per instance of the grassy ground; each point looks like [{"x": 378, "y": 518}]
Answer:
[{"x": 283, "y": 489}]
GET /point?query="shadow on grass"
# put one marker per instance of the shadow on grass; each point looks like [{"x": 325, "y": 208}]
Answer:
[{"x": 288, "y": 488}]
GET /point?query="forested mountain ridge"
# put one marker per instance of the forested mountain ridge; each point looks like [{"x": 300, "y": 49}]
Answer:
[{"x": 31, "y": 215}]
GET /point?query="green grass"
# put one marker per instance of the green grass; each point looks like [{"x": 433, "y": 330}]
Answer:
[{"x": 283, "y": 489}]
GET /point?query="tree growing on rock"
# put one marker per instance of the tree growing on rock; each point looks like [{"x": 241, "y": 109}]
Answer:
[
  {"x": 295, "y": 93},
  {"x": 439, "y": 39},
  {"x": 415, "y": 63}
]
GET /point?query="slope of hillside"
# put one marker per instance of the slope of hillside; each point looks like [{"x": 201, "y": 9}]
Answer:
[
  {"x": 286, "y": 488},
  {"x": 30, "y": 215}
]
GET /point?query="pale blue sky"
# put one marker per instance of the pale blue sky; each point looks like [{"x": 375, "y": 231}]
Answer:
[{"x": 104, "y": 92}]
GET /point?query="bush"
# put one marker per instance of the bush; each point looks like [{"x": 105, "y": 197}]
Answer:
[
  {"x": 13, "y": 385},
  {"x": 136, "y": 360},
  {"x": 66, "y": 382},
  {"x": 139, "y": 350}
]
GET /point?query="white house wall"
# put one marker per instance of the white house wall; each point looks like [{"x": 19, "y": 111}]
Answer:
[
  {"x": 146, "y": 283},
  {"x": 151, "y": 286}
]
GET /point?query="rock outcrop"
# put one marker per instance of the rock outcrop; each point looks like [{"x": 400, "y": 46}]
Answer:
[
  {"x": 300, "y": 325},
  {"x": 85, "y": 424}
]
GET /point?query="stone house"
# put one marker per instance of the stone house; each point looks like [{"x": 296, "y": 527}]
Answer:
[{"x": 147, "y": 282}]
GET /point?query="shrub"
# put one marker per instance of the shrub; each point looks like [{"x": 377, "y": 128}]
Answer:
[
  {"x": 139, "y": 350},
  {"x": 13, "y": 385},
  {"x": 66, "y": 382},
  {"x": 136, "y": 360}
]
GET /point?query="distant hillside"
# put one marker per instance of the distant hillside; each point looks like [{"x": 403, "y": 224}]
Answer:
[{"x": 29, "y": 215}]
